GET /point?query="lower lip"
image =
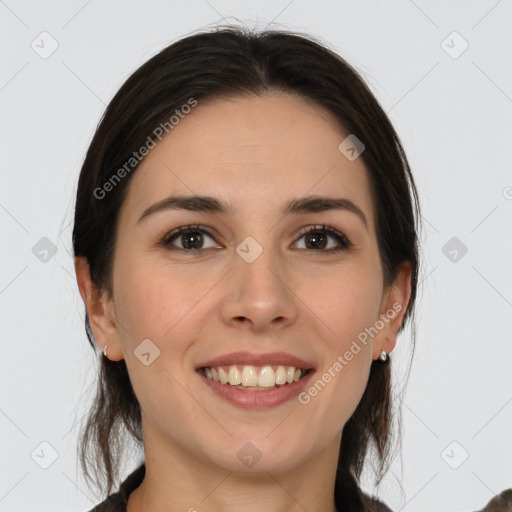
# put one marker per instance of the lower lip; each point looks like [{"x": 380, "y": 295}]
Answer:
[{"x": 258, "y": 399}]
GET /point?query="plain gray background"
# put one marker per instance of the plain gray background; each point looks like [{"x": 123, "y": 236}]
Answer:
[{"x": 452, "y": 108}]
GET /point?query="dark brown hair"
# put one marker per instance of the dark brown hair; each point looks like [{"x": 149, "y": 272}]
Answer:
[{"x": 227, "y": 62}]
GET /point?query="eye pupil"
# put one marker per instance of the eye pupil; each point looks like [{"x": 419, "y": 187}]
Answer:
[
  {"x": 190, "y": 239},
  {"x": 317, "y": 236}
]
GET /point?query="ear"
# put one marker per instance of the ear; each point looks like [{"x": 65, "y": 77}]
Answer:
[
  {"x": 100, "y": 309},
  {"x": 392, "y": 310}
]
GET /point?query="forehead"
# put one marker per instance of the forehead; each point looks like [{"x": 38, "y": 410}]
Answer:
[{"x": 252, "y": 150}]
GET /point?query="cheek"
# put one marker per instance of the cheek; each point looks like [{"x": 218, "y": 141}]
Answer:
[
  {"x": 349, "y": 304},
  {"x": 150, "y": 302},
  {"x": 356, "y": 309},
  {"x": 152, "y": 305}
]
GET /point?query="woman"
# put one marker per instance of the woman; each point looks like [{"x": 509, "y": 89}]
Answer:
[{"x": 246, "y": 247}]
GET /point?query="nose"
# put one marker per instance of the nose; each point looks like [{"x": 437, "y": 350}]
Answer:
[{"x": 259, "y": 294}]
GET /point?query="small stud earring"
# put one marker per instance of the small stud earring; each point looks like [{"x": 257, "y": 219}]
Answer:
[
  {"x": 105, "y": 351},
  {"x": 383, "y": 355}
]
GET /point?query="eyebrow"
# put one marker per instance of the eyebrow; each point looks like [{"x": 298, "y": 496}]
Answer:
[{"x": 208, "y": 204}]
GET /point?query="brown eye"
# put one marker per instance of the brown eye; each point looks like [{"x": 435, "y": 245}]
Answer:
[
  {"x": 189, "y": 237},
  {"x": 317, "y": 239},
  {"x": 192, "y": 238}
]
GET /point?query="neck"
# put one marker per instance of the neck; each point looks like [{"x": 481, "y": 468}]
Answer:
[{"x": 176, "y": 480}]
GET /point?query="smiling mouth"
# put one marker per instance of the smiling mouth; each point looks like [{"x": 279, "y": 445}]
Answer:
[{"x": 254, "y": 378}]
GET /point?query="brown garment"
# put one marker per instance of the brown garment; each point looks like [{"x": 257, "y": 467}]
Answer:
[{"x": 500, "y": 503}]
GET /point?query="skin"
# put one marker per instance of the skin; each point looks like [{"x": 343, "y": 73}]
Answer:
[{"x": 257, "y": 153}]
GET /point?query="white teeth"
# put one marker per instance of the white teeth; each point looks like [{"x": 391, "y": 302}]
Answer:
[
  {"x": 281, "y": 375},
  {"x": 250, "y": 377},
  {"x": 267, "y": 377},
  {"x": 222, "y": 376},
  {"x": 234, "y": 375}
]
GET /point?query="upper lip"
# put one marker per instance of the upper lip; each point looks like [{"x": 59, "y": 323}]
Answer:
[{"x": 253, "y": 359}]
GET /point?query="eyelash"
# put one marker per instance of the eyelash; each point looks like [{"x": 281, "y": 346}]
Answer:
[{"x": 342, "y": 240}]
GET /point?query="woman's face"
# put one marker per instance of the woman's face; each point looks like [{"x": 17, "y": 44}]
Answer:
[{"x": 251, "y": 281}]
